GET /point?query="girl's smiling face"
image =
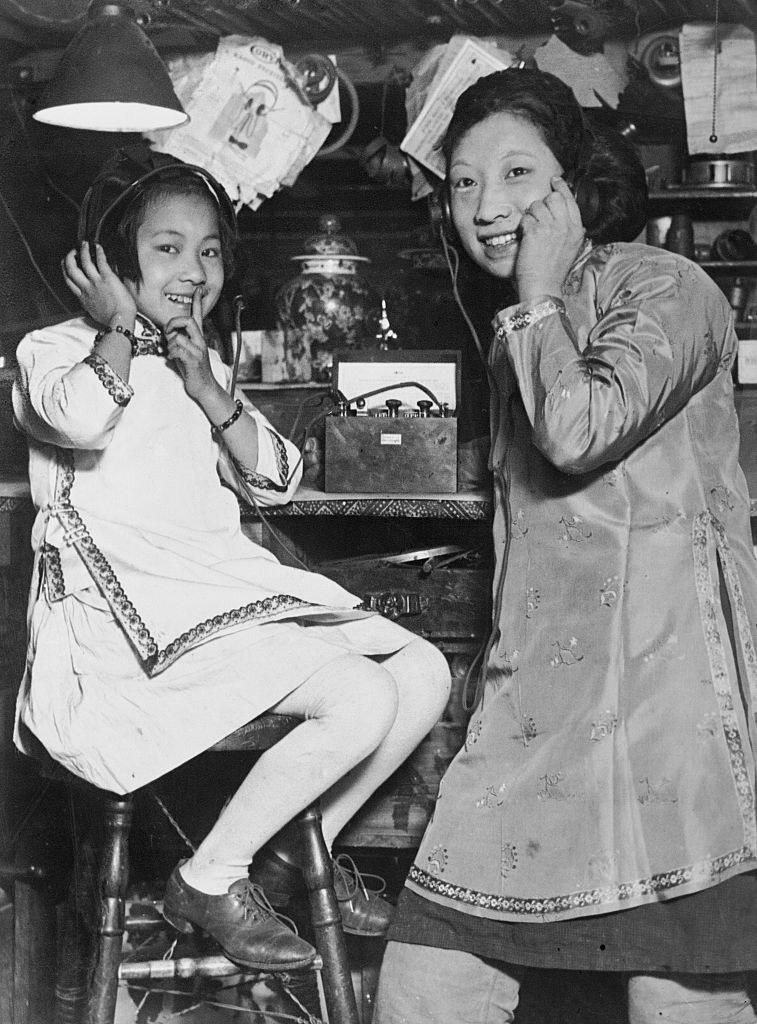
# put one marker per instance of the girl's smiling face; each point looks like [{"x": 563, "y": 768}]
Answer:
[
  {"x": 498, "y": 168},
  {"x": 179, "y": 250}
]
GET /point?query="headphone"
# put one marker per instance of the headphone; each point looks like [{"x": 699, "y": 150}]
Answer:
[{"x": 113, "y": 191}]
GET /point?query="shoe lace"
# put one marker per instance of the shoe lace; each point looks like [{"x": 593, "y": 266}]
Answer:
[
  {"x": 354, "y": 880},
  {"x": 255, "y": 903}
]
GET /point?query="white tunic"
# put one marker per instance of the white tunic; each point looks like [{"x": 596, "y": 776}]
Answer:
[{"x": 138, "y": 528}]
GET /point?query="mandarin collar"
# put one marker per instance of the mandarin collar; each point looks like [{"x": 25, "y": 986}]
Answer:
[{"x": 150, "y": 340}]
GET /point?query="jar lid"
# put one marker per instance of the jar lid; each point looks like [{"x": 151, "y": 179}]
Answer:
[{"x": 330, "y": 240}]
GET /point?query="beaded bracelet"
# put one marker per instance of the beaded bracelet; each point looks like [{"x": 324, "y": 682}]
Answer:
[
  {"x": 129, "y": 335},
  {"x": 238, "y": 408}
]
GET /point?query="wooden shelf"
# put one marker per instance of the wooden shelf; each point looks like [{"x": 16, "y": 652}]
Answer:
[
  {"x": 284, "y": 385},
  {"x": 735, "y": 267},
  {"x": 723, "y": 192},
  {"x": 462, "y": 506}
]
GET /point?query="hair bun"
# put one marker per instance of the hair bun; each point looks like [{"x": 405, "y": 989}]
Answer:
[{"x": 614, "y": 186}]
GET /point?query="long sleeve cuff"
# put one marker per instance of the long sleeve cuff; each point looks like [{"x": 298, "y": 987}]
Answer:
[
  {"x": 117, "y": 388},
  {"x": 520, "y": 316}
]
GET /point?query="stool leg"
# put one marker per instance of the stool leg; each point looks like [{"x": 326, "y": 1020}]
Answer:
[
  {"x": 114, "y": 876},
  {"x": 326, "y": 919}
]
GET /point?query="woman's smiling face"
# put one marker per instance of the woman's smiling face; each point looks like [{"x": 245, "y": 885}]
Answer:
[
  {"x": 179, "y": 250},
  {"x": 498, "y": 168}
]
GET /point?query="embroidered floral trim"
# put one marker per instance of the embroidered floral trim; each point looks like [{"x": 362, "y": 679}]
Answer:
[
  {"x": 525, "y": 318},
  {"x": 257, "y": 480},
  {"x": 148, "y": 347},
  {"x": 709, "y": 869},
  {"x": 55, "y": 583},
  {"x": 146, "y": 340},
  {"x": 706, "y": 525},
  {"x": 149, "y": 340},
  {"x": 742, "y": 616},
  {"x": 280, "y": 453},
  {"x": 118, "y": 389},
  {"x": 262, "y": 483},
  {"x": 103, "y": 574},
  {"x": 266, "y": 608}
]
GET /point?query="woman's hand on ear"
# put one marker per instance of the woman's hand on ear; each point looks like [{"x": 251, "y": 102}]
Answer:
[
  {"x": 552, "y": 236},
  {"x": 189, "y": 351},
  {"x": 98, "y": 288}
]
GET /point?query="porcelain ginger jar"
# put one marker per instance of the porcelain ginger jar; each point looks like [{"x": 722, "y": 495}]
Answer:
[{"x": 328, "y": 305}]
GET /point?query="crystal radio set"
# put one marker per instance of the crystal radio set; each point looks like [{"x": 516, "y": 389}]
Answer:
[{"x": 394, "y": 429}]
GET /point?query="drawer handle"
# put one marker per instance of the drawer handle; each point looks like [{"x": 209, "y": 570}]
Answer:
[{"x": 395, "y": 604}]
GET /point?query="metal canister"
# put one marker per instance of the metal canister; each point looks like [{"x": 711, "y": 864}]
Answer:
[{"x": 737, "y": 296}]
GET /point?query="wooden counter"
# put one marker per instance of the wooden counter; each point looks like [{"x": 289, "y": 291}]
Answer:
[{"x": 464, "y": 505}]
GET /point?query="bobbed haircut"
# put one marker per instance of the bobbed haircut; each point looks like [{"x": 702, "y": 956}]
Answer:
[
  {"x": 600, "y": 165},
  {"x": 117, "y": 203}
]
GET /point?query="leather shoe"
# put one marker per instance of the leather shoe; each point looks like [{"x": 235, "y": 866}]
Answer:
[
  {"x": 363, "y": 910},
  {"x": 242, "y": 921}
]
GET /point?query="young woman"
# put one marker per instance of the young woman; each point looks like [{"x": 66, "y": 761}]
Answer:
[
  {"x": 156, "y": 627},
  {"x": 601, "y": 815}
]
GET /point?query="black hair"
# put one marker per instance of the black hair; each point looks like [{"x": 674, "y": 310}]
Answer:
[
  {"x": 601, "y": 166},
  {"x": 118, "y": 233}
]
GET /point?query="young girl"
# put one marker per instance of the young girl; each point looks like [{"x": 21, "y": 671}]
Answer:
[
  {"x": 156, "y": 626},
  {"x": 601, "y": 815}
]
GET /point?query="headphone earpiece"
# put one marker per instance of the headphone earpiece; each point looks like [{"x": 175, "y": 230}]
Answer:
[
  {"x": 448, "y": 227},
  {"x": 587, "y": 198}
]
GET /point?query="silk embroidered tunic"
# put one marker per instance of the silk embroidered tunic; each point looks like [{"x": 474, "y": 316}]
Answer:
[
  {"x": 152, "y": 631},
  {"x": 609, "y": 761}
]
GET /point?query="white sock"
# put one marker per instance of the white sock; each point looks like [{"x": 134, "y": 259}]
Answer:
[{"x": 212, "y": 877}]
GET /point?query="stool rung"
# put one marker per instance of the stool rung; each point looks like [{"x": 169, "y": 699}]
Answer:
[{"x": 191, "y": 967}]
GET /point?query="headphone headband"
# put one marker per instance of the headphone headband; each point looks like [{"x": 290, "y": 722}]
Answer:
[{"x": 92, "y": 219}]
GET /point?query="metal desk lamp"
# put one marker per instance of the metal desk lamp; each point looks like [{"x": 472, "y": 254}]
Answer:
[{"x": 111, "y": 78}]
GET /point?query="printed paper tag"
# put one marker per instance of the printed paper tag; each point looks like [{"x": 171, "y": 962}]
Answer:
[{"x": 747, "y": 361}]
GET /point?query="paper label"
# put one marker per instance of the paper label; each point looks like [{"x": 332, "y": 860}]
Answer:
[
  {"x": 747, "y": 361},
  {"x": 391, "y": 439},
  {"x": 471, "y": 61}
]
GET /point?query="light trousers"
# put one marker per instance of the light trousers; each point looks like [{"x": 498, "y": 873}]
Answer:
[{"x": 426, "y": 985}]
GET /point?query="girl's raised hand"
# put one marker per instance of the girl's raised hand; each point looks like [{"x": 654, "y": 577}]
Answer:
[
  {"x": 189, "y": 351},
  {"x": 98, "y": 288},
  {"x": 552, "y": 235}
]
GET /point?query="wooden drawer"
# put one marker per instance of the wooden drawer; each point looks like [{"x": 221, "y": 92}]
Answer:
[{"x": 446, "y": 604}]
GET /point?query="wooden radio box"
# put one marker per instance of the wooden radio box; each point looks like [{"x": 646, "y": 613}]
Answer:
[{"x": 407, "y": 453}]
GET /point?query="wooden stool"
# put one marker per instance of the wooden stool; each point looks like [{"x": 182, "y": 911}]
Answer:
[
  {"x": 27, "y": 945},
  {"x": 113, "y": 875}
]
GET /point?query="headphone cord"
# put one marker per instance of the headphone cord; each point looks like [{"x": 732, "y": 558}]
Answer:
[
  {"x": 337, "y": 398},
  {"x": 452, "y": 257},
  {"x": 477, "y": 668}
]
